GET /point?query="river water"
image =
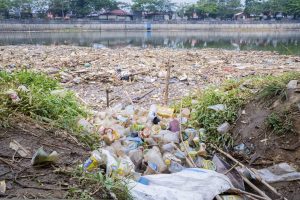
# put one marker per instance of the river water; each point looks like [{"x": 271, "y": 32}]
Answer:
[{"x": 284, "y": 42}]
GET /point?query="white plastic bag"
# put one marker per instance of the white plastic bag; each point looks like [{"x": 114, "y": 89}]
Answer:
[
  {"x": 278, "y": 173},
  {"x": 189, "y": 184}
]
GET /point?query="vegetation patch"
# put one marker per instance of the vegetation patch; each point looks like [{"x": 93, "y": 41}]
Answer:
[
  {"x": 280, "y": 123},
  {"x": 100, "y": 185},
  {"x": 234, "y": 95},
  {"x": 40, "y": 97}
]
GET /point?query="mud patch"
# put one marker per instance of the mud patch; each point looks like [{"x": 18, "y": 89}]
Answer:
[
  {"x": 266, "y": 147},
  {"x": 26, "y": 181}
]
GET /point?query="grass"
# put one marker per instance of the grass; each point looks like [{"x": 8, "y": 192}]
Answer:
[
  {"x": 105, "y": 187},
  {"x": 43, "y": 99},
  {"x": 38, "y": 100},
  {"x": 280, "y": 123},
  {"x": 234, "y": 94}
]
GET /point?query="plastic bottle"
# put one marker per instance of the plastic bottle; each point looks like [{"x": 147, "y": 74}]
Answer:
[
  {"x": 174, "y": 167},
  {"x": 168, "y": 147},
  {"x": 93, "y": 162},
  {"x": 165, "y": 111},
  {"x": 154, "y": 156}
]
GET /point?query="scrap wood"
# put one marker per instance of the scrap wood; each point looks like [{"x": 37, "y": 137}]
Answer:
[
  {"x": 238, "y": 191},
  {"x": 256, "y": 175},
  {"x": 167, "y": 84},
  {"x": 136, "y": 99}
]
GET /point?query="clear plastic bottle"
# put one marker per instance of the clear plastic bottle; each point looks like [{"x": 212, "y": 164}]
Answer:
[{"x": 174, "y": 167}]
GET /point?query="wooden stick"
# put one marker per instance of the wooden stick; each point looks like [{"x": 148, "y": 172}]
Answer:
[
  {"x": 238, "y": 191},
  {"x": 8, "y": 163},
  {"x": 255, "y": 188},
  {"x": 236, "y": 164},
  {"x": 107, "y": 97},
  {"x": 256, "y": 176},
  {"x": 167, "y": 84}
]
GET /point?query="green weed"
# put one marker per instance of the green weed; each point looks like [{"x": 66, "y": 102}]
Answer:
[
  {"x": 280, "y": 123},
  {"x": 234, "y": 94},
  {"x": 39, "y": 101},
  {"x": 105, "y": 187}
]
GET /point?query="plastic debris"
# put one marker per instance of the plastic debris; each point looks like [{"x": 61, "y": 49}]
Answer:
[
  {"x": 41, "y": 157},
  {"x": 218, "y": 107},
  {"x": 231, "y": 197},
  {"x": 19, "y": 148},
  {"x": 190, "y": 183},
  {"x": 278, "y": 173},
  {"x": 13, "y": 95},
  {"x": 223, "y": 128},
  {"x": 2, "y": 187}
]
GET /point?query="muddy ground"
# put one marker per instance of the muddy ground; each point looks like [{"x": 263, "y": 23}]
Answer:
[
  {"x": 265, "y": 146},
  {"x": 25, "y": 181}
]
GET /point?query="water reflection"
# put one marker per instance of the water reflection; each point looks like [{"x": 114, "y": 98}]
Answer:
[{"x": 286, "y": 42}]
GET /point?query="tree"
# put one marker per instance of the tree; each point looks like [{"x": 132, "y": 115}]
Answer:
[
  {"x": 40, "y": 7},
  {"x": 153, "y": 6},
  {"x": 81, "y": 7},
  {"x": 253, "y": 7},
  {"x": 4, "y": 7},
  {"x": 23, "y": 7},
  {"x": 293, "y": 8},
  {"x": 104, "y": 4},
  {"x": 227, "y": 9},
  {"x": 59, "y": 7}
]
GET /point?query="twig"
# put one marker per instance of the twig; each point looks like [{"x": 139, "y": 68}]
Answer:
[
  {"x": 51, "y": 145},
  {"x": 27, "y": 176},
  {"x": 256, "y": 176},
  {"x": 136, "y": 99},
  {"x": 167, "y": 84},
  {"x": 39, "y": 188},
  {"x": 107, "y": 97},
  {"x": 236, "y": 164},
  {"x": 238, "y": 191},
  {"x": 8, "y": 163},
  {"x": 97, "y": 190}
]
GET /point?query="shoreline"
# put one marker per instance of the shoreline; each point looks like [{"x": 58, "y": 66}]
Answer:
[{"x": 31, "y": 27}]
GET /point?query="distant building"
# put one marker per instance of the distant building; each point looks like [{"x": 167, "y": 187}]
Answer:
[
  {"x": 116, "y": 15},
  {"x": 239, "y": 16}
]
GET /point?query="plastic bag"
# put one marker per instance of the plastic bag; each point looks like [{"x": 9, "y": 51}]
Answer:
[{"x": 191, "y": 184}]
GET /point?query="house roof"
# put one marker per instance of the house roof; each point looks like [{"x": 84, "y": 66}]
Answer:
[{"x": 118, "y": 12}]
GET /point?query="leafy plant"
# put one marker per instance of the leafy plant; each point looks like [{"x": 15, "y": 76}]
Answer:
[
  {"x": 104, "y": 186},
  {"x": 280, "y": 123}
]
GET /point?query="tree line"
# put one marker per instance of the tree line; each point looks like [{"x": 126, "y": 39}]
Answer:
[{"x": 221, "y": 9}]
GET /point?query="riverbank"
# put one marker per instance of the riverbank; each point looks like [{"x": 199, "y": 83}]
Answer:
[
  {"x": 65, "y": 26},
  {"x": 90, "y": 71}
]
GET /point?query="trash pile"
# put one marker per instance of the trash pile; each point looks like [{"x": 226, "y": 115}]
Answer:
[
  {"x": 140, "y": 141},
  {"x": 89, "y": 71}
]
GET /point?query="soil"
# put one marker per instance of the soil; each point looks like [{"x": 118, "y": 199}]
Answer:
[
  {"x": 26, "y": 181},
  {"x": 266, "y": 147}
]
